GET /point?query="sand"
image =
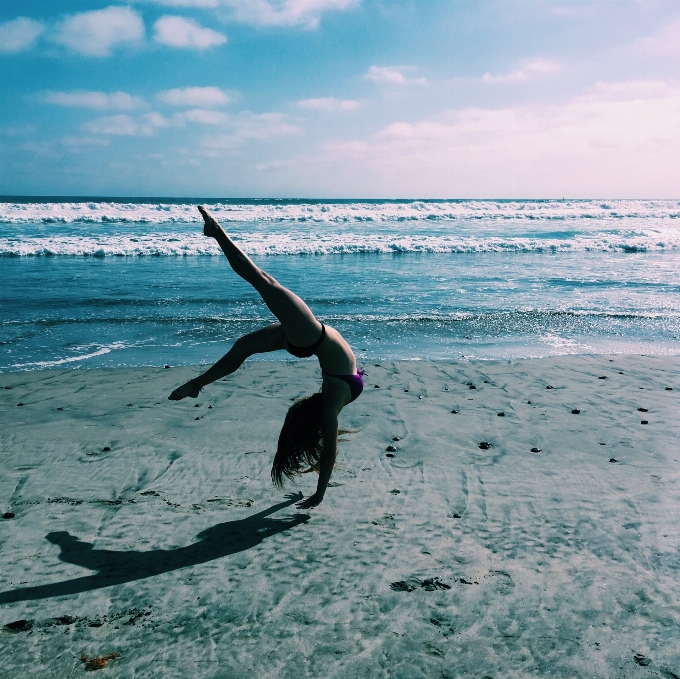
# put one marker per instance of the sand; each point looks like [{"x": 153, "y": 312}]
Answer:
[{"x": 142, "y": 531}]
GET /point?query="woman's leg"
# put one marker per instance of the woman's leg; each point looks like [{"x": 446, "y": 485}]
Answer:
[
  {"x": 299, "y": 324},
  {"x": 261, "y": 341}
]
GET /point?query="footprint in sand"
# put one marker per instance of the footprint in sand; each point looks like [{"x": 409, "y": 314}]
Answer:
[
  {"x": 429, "y": 585},
  {"x": 19, "y": 626},
  {"x": 385, "y": 521},
  {"x": 641, "y": 660}
]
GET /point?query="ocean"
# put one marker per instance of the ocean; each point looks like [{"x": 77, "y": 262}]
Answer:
[{"x": 108, "y": 282}]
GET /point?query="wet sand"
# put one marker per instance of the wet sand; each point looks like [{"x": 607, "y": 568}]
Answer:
[{"x": 150, "y": 529}]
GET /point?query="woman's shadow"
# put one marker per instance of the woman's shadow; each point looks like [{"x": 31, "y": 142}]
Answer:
[{"x": 114, "y": 568}]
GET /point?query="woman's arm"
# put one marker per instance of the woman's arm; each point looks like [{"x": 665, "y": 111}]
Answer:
[
  {"x": 266, "y": 339},
  {"x": 332, "y": 407}
]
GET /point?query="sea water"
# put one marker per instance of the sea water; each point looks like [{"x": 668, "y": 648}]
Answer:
[{"x": 128, "y": 282}]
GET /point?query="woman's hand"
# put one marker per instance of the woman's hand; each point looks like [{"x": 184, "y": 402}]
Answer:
[
  {"x": 187, "y": 389},
  {"x": 312, "y": 501}
]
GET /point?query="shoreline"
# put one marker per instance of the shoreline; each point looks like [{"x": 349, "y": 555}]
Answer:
[
  {"x": 148, "y": 532},
  {"x": 670, "y": 353}
]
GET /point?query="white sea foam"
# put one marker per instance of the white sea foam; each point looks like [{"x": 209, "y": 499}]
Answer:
[
  {"x": 71, "y": 359},
  {"x": 302, "y": 243},
  {"x": 340, "y": 212}
]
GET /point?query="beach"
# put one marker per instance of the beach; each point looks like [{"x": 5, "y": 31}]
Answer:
[{"x": 150, "y": 529}]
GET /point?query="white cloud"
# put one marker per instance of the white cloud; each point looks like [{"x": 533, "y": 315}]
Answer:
[
  {"x": 392, "y": 75},
  {"x": 199, "y": 115},
  {"x": 189, "y": 3},
  {"x": 241, "y": 127},
  {"x": 286, "y": 12},
  {"x": 248, "y": 126},
  {"x": 629, "y": 90},
  {"x": 76, "y": 143},
  {"x": 205, "y": 97},
  {"x": 121, "y": 101},
  {"x": 305, "y": 13},
  {"x": 264, "y": 125},
  {"x": 177, "y": 31},
  {"x": 530, "y": 70},
  {"x": 665, "y": 41},
  {"x": 346, "y": 148},
  {"x": 127, "y": 126},
  {"x": 564, "y": 10},
  {"x": 609, "y": 141},
  {"x": 95, "y": 33},
  {"x": 328, "y": 104},
  {"x": 19, "y": 34}
]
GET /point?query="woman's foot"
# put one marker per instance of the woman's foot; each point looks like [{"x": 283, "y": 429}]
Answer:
[
  {"x": 187, "y": 389},
  {"x": 211, "y": 227}
]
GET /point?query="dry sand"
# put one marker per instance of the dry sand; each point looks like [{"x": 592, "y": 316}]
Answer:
[{"x": 143, "y": 531}]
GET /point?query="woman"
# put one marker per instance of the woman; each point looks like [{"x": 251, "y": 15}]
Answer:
[{"x": 310, "y": 431}]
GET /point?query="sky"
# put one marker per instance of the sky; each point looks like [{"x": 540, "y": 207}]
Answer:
[{"x": 340, "y": 98}]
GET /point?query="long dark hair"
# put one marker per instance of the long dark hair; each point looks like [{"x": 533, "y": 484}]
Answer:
[{"x": 300, "y": 440}]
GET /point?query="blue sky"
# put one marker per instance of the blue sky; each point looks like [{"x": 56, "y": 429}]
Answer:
[{"x": 340, "y": 98}]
